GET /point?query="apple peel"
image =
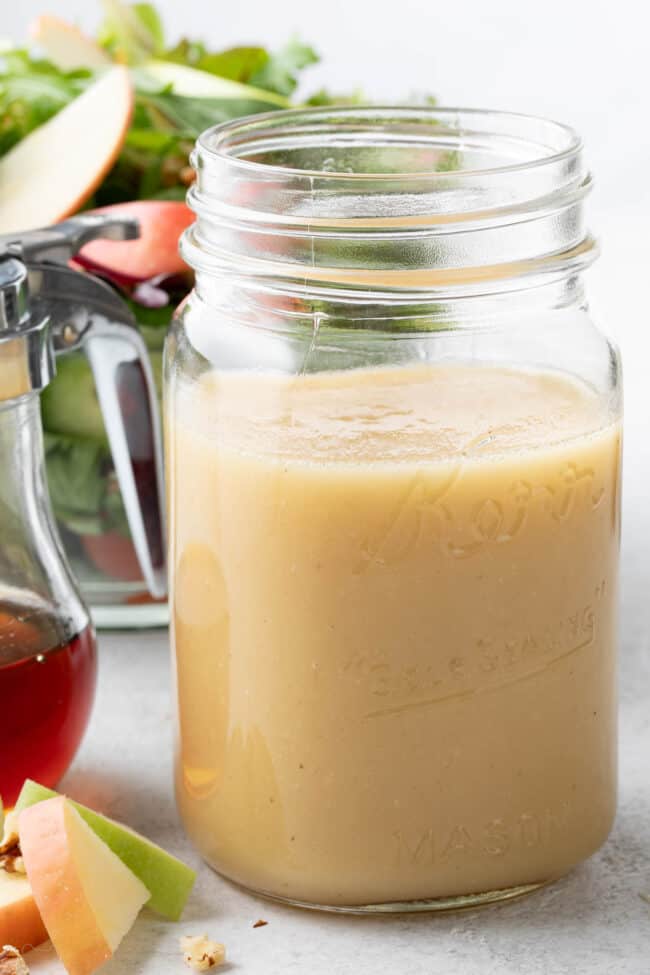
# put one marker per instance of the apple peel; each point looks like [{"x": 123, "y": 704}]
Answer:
[
  {"x": 65, "y": 45},
  {"x": 168, "y": 879},
  {"x": 52, "y": 171},
  {"x": 87, "y": 898},
  {"x": 154, "y": 252},
  {"x": 20, "y": 920}
]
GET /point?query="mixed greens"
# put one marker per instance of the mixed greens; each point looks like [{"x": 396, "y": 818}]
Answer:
[{"x": 179, "y": 91}]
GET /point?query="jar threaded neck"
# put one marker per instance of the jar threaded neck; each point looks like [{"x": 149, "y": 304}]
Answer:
[{"x": 423, "y": 200}]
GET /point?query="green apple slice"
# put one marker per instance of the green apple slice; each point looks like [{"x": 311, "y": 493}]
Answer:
[
  {"x": 168, "y": 880},
  {"x": 196, "y": 83}
]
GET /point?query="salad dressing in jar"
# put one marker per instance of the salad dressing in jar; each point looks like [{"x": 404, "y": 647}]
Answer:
[{"x": 393, "y": 462}]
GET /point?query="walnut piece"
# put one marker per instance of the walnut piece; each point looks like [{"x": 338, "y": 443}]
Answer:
[
  {"x": 10, "y": 833},
  {"x": 12, "y": 962},
  {"x": 12, "y": 862},
  {"x": 200, "y": 953}
]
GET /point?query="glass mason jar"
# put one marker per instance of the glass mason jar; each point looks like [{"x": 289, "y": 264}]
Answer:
[{"x": 393, "y": 444}]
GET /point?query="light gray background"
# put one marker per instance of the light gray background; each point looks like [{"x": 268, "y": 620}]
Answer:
[{"x": 585, "y": 63}]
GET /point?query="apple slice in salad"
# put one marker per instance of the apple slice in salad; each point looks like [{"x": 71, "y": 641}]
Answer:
[{"x": 53, "y": 170}]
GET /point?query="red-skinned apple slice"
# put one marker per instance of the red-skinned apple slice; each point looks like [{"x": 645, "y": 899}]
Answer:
[
  {"x": 51, "y": 172},
  {"x": 88, "y": 899},
  {"x": 67, "y": 46},
  {"x": 154, "y": 252},
  {"x": 20, "y": 920}
]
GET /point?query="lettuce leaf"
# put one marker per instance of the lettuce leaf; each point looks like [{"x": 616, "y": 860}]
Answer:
[
  {"x": 325, "y": 97},
  {"x": 76, "y": 477},
  {"x": 236, "y": 63},
  {"x": 131, "y": 33},
  {"x": 32, "y": 90},
  {"x": 281, "y": 70},
  {"x": 249, "y": 65}
]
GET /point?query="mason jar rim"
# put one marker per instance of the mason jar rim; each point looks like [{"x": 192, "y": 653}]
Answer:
[{"x": 217, "y": 141}]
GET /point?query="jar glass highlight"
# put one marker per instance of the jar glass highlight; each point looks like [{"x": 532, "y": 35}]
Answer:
[{"x": 393, "y": 440}]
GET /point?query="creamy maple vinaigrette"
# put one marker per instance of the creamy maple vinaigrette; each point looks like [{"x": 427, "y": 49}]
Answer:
[{"x": 394, "y": 618}]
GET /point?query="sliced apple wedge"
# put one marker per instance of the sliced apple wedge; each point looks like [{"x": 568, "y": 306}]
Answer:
[
  {"x": 20, "y": 920},
  {"x": 65, "y": 45},
  {"x": 52, "y": 171},
  {"x": 168, "y": 879},
  {"x": 154, "y": 252},
  {"x": 87, "y": 898},
  {"x": 196, "y": 83}
]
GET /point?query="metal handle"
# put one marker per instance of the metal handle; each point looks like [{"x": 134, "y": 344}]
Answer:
[
  {"x": 126, "y": 391},
  {"x": 57, "y": 244}
]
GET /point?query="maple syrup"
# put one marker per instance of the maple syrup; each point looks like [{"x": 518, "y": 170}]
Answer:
[{"x": 47, "y": 685}]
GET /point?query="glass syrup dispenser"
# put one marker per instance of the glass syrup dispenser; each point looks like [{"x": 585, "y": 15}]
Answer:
[{"x": 47, "y": 640}]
